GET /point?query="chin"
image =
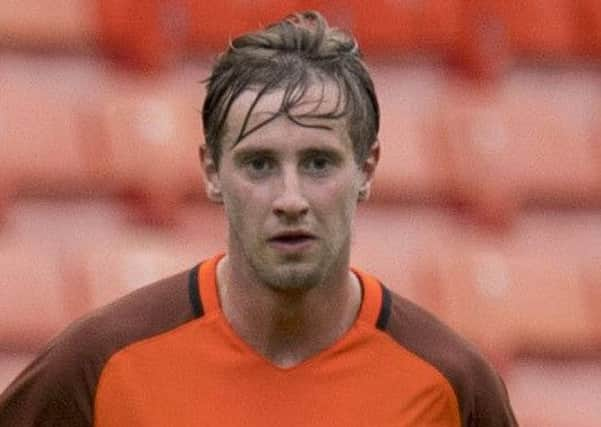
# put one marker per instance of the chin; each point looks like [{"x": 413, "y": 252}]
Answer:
[{"x": 297, "y": 277}]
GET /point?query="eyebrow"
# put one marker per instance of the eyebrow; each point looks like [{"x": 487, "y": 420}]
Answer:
[{"x": 249, "y": 152}]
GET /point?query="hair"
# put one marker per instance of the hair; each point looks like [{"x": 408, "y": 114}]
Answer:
[{"x": 293, "y": 55}]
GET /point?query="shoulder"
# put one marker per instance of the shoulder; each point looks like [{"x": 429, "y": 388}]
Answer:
[
  {"x": 480, "y": 392},
  {"x": 61, "y": 383}
]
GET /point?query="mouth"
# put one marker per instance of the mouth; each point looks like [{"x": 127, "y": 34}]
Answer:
[{"x": 292, "y": 241}]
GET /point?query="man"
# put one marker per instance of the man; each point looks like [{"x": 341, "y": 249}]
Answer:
[{"x": 280, "y": 330}]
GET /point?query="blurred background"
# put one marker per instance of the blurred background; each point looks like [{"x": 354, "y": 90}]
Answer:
[{"x": 486, "y": 207}]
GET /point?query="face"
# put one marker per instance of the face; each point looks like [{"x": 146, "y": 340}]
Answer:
[{"x": 289, "y": 191}]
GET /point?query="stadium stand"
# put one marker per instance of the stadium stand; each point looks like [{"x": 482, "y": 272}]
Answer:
[
  {"x": 62, "y": 25},
  {"x": 540, "y": 29},
  {"x": 409, "y": 168},
  {"x": 11, "y": 364},
  {"x": 555, "y": 393},
  {"x": 150, "y": 131},
  {"x": 589, "y": 28}
]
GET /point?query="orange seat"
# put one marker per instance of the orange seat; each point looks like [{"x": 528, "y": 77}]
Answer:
[
  {"x": 555, "y": 393},
  {"x": 129, "y": 257},
  {"x": 392, "y": 242},
  {"x": 589, "y": 26},
  {"x": 213, "y": 25},
  {"x": 43, "y": 135},
  {"x": 409, "y": 168},
  {"x": 35, "y": 301},
  {"x": 151, "y": 133},
  {"x": 529, "y": 140},
  {"x": 38, "y": 24},
  {"x": 475, "y": 151},
  {"x": 11, "y": 364},
  {"x": 519, "y": 292},
  {"x": 392, "y": 28},
  {"x": 540, "y": 29},
  {"x": 552, "y": 118},
  {"x": 44, "y": 286},
  {"x": 144, "y": 35},
  {"x": 482, "y": 49}
]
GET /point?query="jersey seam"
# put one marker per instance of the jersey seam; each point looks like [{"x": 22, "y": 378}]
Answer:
[{"x": 447, "y": 383}]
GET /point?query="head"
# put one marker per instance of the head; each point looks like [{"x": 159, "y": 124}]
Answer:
[
  {"x": 291, "y": 122},
  {"x": 291, "y": 55}
]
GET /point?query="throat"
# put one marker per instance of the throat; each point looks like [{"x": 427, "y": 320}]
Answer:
[{"x": 288, "y": 328}]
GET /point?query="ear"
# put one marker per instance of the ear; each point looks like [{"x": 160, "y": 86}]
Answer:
[
  {"x": 210, "y": 175},
  {"x": 368, "y": 169}
]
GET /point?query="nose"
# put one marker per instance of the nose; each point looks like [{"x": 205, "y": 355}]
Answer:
[{"x": 290, "y": 202}]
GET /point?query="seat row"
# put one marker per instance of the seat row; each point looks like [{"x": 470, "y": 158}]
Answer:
[
  {"x": 152, "y": 34},
  {"x": 71, "y": 127}
]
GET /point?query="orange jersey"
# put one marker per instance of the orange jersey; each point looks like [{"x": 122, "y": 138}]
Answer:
[{"x": 166, "y": 356}]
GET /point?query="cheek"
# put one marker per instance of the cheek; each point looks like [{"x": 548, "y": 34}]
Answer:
[
  {"x": 244, "y": 205},
  {"x": 339, "y": 199}
]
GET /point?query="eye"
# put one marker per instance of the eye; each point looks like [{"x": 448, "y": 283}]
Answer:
[
  {"x": 259, "y": 166},
  {"x": 319, "y": 164}
]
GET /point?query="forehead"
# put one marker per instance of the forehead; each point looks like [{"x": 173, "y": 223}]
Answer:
[{"x": 306, "y": 110}]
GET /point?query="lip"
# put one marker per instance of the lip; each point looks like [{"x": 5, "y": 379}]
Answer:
[{"x": 292, "y": 241}]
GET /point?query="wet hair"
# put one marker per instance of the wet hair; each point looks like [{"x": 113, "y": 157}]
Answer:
[{"x": 291, "y": 56}]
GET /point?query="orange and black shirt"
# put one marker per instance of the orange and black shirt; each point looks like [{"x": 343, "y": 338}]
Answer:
[{"x": 165, "y": 355}]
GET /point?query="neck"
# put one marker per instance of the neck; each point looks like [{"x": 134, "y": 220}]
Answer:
[{"x": 288, "y": 327}]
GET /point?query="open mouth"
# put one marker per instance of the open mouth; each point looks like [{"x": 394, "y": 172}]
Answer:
[{"x": 292, "y": 240}]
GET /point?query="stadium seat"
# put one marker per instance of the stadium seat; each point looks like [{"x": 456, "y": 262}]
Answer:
[
  {"x": 482, "y": 49},
  {"x": 43, "y": 136},
  {"x": 213, "y": 25},
  {"x": 475, "y": 150},
  {"x": 540, "y": 29},
  {"x": 552, "y": 117},
  {"x": 520, "y": 292},
  {"x": 409, "y": 168},
  {"x": 558, "y": 393},
  {"x": 48, "y": 25},
  {"x": 143, "y": 35},
  {"x": 35, "y": 301},
  {"x": 10, "y": 365},
  {"x": 589, "y": 26},
  {"x": 469, "y": 289},
  {"x": 390, "y": 29},
  {"x": 129, "y": 257},
  {"x": 151, "y": 131},
  {"x": 393, "y": 242}
]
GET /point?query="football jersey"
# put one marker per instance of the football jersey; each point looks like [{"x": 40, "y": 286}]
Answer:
[{"x": 165, "y": 355}]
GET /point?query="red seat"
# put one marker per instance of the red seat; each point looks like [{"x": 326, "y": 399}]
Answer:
[{"x": 39, "y": 24}]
